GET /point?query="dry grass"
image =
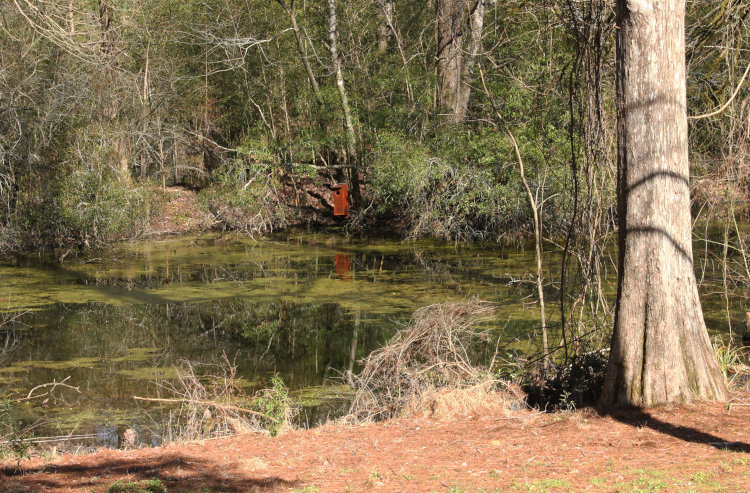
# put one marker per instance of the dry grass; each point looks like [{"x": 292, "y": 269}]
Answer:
[
  {"x": 447, "y": 403},
  {"x": 425, "y": 369},
  {"x": 212, "y": 403},
  {"x": 733, "y": 363}
]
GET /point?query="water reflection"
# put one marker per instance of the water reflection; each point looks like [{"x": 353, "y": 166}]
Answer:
[{"x": 307, "y": 308}]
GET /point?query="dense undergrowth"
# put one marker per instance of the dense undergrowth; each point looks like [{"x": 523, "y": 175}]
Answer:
[{"x": 215, "y": 96}]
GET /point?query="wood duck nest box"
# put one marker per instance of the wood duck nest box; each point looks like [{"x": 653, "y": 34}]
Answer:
[{"x": 341, "y": 200}]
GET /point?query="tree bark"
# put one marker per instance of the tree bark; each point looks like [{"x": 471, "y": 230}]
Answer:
[
  {"x": 660, "y": 349},
  {"x": 455, "y": 66},
  {"x": 107, "y": 31},
  {"x": 476, "y": 28},
  {"x": 385, "y": 29},
  {"x": 450, "y": 19},
  {"x": 110, "y": 105}
]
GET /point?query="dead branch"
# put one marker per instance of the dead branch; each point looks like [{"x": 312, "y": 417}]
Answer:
[
  {"x": 225, "y": 407},
  {"x": 425, "y": 359},
  {"x": 53, "y": 386}
]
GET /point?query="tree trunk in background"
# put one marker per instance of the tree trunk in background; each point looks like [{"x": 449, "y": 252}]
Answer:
[
  {"x": 108, "y": 35},
  {"x": 351, "y": 137},
  {"x": 385, "y": 31},
  {"x": 450, "y": 20},
  {"x": 301, "y": 50},
  {"x": 476, "y": 27},
  {"x": 388, "y": 19},
  {"x": 661, "y": 351},
  {"x": 110, "y": 105},
  {"x": 457, "y": 19}
]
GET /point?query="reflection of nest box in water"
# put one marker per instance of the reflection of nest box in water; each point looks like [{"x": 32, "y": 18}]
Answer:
[{"x": 341, "y": 199}]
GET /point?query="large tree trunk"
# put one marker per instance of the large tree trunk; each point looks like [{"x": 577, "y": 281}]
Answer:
[
  {"x": 109, "y": 102},
  {"x": 476, "y": 28},
  {"x": 660, "y": 347},
  {"x": 107, "y": 47}
]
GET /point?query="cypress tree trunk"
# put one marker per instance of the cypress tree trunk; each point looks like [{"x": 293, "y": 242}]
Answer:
[
  {"x": 661, "y": 351},
  {"x": 476, "y": 28},
  {"x": 107, "y": 93},
  {"x": 107, "y": 47}
]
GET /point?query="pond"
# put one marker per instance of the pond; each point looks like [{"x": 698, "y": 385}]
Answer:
[{"x": 304, "y": 306}]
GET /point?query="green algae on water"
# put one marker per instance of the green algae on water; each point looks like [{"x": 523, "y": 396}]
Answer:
[
  {"x": 320, "y": 394},
  {"x": 150, "y": 373}
]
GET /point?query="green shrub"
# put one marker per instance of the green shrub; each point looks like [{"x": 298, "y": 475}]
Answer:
[
  {"x": 275, "y": 403},
  {"x": 99, "y": 207},
  {"x": 89, "y": 198},
  {"x": 444, "y": 195},
  {"x": 146, "y": 486},
  {"x": 12, "y": 434},
  {"x": 243, "y": 197}
]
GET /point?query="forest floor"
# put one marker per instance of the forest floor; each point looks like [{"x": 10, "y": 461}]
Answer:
[{"x": 701, "y": 447}]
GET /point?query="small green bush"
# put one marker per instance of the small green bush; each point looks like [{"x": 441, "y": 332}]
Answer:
[
  {"x": 98, "y": 207},
  {"x": 89, "y": 198},
  {"x": 445, "y": 195},
  {"x": 243, "y": 197},
  {"x": 12, "y": 433},
  {"x": 146, "y": 486},
  {"x": 275, "y": 403}
]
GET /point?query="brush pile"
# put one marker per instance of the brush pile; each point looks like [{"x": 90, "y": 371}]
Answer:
[
  {"x": 209, "y": 401},
  {"x": 426, "y": 367}
]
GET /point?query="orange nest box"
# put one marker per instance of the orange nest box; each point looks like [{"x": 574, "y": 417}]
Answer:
[{"x": 341, "y": 200}]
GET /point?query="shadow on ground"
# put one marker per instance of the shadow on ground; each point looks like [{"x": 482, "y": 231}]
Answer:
[
  {"x": 178, "y": 473},
  {"x": 640, "y": 418}
]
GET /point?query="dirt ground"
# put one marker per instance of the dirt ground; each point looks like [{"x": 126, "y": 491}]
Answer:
[{"x": 702, "y": 447}]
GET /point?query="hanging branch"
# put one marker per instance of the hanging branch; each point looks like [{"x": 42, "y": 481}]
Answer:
[
  {"x": 723, "y": 107},
  {"x": 536, "y": 218}
]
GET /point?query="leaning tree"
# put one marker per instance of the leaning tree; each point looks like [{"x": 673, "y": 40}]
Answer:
[{"x": 661, "y": 351}]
